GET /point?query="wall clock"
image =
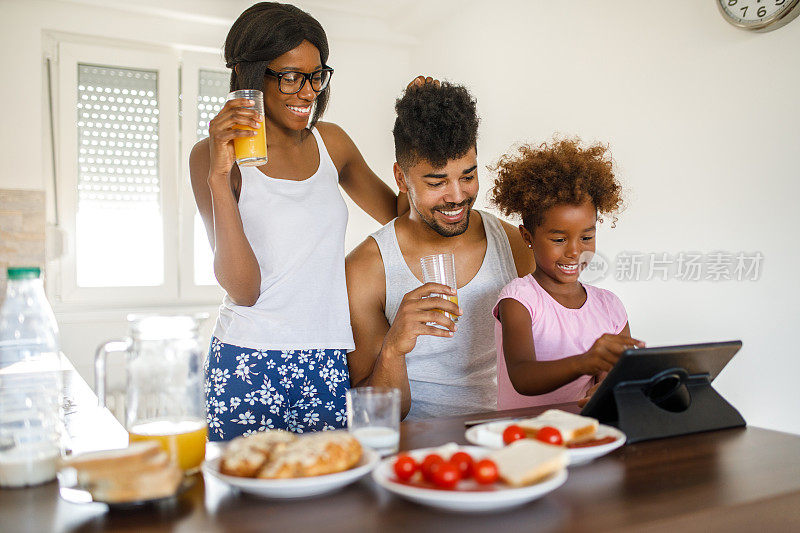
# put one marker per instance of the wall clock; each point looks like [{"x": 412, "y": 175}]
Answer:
[{"x": 759, "y": 15}]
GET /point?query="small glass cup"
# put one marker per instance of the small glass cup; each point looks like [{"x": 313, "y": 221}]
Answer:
[
  {"x": 251, "y": 151},
  {"x": 441, "y": 268},
  {"x": 373, "y": 417}
]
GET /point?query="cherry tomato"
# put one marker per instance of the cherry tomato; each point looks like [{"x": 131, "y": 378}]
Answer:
[
  {"x": 429, "y": 466},
  {"x": 485, "y": 472},
  {"x": 446, "y": 475},
  {"x": 512, "y": 433},
  {"x": 550, "y": 435},
  {"x": 405, "y": 467},
  {"x": 463, "y": 462}
]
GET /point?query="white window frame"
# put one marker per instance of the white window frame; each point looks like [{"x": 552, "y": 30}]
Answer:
[
  {"x": 191, "y": 65},
  {"x": 165, "y": 64},
  {"x": 178, "y": 72}
]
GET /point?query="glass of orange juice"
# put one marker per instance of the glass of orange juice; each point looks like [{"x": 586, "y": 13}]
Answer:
[
  {"x": 441, "y": 268},
  {"x": 251, "y": 151},
  {"x": 164, "y": 396}
]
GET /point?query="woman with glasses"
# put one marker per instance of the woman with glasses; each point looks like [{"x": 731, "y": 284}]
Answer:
[{"x": 278, "y": 354}]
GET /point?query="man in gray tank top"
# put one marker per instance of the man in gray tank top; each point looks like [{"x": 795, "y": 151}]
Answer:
[{"x": 447, "y": 370}]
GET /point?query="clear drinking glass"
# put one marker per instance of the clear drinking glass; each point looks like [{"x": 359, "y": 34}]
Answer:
[
  {"x": 373, "y": 417},
  {"x": 441, "y": 268},
  {"x": 251, "y": 151},
  {"x": 164, "y": 397}
]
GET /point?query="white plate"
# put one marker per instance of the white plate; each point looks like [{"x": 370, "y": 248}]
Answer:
[
  {"x": 491, "y": 436},
  {"x": 503, "y": 497},
  {"x": 303, "y": 487}
]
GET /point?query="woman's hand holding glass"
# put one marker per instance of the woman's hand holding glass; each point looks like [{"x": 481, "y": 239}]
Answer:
[{"x": 221, "y": 133}]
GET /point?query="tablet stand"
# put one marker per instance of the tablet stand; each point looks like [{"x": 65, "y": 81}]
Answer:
[{"x": 671, "y": 403}]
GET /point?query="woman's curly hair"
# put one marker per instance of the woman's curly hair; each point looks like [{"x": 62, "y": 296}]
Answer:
[
  {"x": 536, "y": 178},
  {"x": 434, "y": 123}
]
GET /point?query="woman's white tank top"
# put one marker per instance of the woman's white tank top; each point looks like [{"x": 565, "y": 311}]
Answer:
[{"x": 296, "y": 230}]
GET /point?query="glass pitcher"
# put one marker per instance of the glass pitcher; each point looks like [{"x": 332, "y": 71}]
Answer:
[{"x": 164, "y": 397}]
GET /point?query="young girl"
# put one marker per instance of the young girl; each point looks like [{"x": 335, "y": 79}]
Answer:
[
  {"x": 278, "y": 355},
  {"x": 557, "y": 337}
]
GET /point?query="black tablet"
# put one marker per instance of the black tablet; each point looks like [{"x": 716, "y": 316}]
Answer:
[{"x": 655, "y": 392}]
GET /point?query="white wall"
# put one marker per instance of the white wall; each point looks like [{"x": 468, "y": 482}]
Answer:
[{"x": 704, "y": 122}]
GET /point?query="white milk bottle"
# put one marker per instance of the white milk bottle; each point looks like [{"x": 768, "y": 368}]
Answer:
[{"x": 31, "y": 384}]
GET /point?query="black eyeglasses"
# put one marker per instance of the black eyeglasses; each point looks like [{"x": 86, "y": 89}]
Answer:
[{"x": 291, "y": 82}]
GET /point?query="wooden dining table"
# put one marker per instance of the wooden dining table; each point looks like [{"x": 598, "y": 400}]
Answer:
[{"x": 744, "y": 479}]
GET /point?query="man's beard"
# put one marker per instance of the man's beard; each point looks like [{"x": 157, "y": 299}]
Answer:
[{"x": 447, "y": 230}]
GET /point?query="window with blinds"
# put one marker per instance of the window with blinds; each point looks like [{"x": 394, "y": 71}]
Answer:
[
  {"x": 119, "y": 233},
  {"x": 211, "y": 95}
]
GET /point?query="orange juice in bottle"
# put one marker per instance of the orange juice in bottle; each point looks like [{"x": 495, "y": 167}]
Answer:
[{"x": 184, "y": 440}]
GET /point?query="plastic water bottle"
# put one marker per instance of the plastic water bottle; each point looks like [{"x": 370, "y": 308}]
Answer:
[{"x": 31, "y": 383}]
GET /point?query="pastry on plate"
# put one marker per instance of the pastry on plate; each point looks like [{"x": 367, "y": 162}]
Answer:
[
  {"x": 245, "y": 456},
  {"x": 314, "y": 454}
]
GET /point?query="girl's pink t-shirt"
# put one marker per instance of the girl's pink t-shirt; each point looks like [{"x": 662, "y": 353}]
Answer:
[{"x": 558, "y": 332}]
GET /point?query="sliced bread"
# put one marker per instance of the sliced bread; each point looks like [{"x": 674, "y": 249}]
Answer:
[
  {"x": 572, "y": 427},
  {"x": 132, "y": 456},
  {"x": 527, "y": 461}
]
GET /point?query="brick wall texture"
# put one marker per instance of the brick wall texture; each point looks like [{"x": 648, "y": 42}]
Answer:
[{"x": 22, "y": 230}]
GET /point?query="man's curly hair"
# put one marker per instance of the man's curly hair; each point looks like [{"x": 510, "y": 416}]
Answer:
[
  {"x": 434, "y": 124},
  {"x": 536, "y": 178}
]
